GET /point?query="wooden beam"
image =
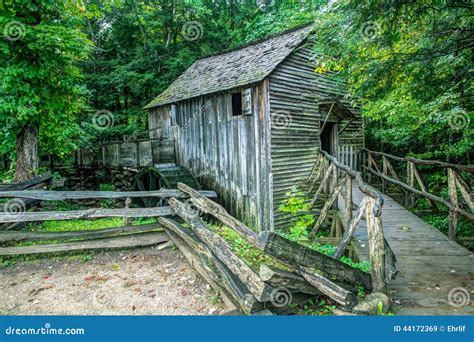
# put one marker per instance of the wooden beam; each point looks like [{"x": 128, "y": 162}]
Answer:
[
  {"x": 84, "y": 214},
  {"x": 26, "y": 184},
  {"x": 453, "y": 197},
  {"x": 49, "y": 195},
  {"x": 346, "y": 298},
  {"x": 376, "y": 247},
  {"x": 126, "y": 241},
  {"x": 75, "y": 234},
  {"x": 295, "y": 254},
  {"x": 279, "y": 278}
]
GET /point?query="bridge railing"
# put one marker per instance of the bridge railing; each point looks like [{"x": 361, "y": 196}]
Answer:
[
  {"x": 330, "y": 176},
  {"x": 406, "y": 175}
]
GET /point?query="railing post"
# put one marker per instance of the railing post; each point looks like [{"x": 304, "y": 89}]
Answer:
[
  {"x": 453, "y": 198},
  {"x": 369, "y": 165},
  {"x": 376, "y": 247},
  {"x": 410, "y": 198},
  {"x": 348, "y": 200},
  {"x": 385, "y": 173}
]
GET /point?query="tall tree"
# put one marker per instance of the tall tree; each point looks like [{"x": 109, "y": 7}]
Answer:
[{"x": 41, "y": 81}]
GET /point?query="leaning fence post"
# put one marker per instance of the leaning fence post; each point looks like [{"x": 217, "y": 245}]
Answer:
[
  {"x": 376, "y": 247},
  {"x": 385, "y": 173},
  {"x": 348, "y": 200},
  {"x": 410, "y": 198},
  {"x": 453, "y": 198}
]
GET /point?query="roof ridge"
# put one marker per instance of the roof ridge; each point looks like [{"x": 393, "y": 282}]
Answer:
[
  {"x": 236, "y": 68},
  {"x": 257, "y": 41}
]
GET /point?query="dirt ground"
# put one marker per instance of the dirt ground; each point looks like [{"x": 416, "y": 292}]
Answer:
[{"x": 144, "y": 281}]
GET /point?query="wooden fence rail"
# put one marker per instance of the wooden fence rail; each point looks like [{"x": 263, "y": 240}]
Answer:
[{"x": 407, "y": 182}]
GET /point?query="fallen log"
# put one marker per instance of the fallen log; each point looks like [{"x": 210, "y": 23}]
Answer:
[
  {"x": 221, "y": 249},
  {"x": 346, "y": 298},
  {"x": 213, "y": 267},
  {"x": 295, "y": 254},
  {"x": 210, "y": 207},
  {"x": 127, "y": 241},
  {"x": 279, "y": 278},
  {"x": 51, "y": 195},
  {"x": 76, "y": 234},
  {"x": 84, "y": 214}
]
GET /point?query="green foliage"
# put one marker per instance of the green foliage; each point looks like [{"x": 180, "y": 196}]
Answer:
[
  {"x": 41, "y": 78},
  {"x": 252, "y": 256},
  {"x": 74, "y": 225},
  {"x": 314, "y": 307},
  {"x": 411, "y": 62},
  {"x": 297, "y": 205}
]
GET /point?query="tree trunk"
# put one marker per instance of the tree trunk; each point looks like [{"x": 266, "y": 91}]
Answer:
[{"x": 26, "y": 152}]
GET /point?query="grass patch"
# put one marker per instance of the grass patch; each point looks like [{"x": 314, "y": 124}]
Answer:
[{"x": 251, "y": 255}]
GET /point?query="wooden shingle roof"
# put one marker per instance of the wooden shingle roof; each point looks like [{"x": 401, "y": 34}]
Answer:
[{"x": 232, "y": 69}]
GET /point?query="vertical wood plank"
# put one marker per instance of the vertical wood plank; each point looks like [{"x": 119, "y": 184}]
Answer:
[
  {"x": 453, "y": 198},
  {"x": 376, "y": 247}
]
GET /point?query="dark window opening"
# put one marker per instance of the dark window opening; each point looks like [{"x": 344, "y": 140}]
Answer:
[{"x": 236, "y": 104}]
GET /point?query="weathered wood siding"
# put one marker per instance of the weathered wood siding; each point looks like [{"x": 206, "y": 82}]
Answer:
[
  {"x": 229, "y": 154},
  {"x": 295, "y": 90},
  {"x": 160, "y": 125}
]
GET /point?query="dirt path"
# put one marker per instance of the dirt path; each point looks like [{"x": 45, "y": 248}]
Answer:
[{"x": 139, "y": 282}]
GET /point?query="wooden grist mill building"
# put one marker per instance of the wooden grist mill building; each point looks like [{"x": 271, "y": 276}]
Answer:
[{"x": 248, "y": 124}]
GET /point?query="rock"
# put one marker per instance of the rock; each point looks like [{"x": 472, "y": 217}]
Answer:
[{"x": 370, "y": 305}]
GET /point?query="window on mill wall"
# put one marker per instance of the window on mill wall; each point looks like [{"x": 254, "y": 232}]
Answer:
[{"x": 242, "y": 102}]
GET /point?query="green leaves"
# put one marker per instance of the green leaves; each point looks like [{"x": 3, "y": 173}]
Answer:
[
  {"x": 41, "y": 76},
  {"x": 412, "y": 66}
]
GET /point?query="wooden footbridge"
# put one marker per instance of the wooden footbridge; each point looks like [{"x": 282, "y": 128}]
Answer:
[
  {"x": 421, "y": 269},
  {"x": 435, "y": 273}
]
